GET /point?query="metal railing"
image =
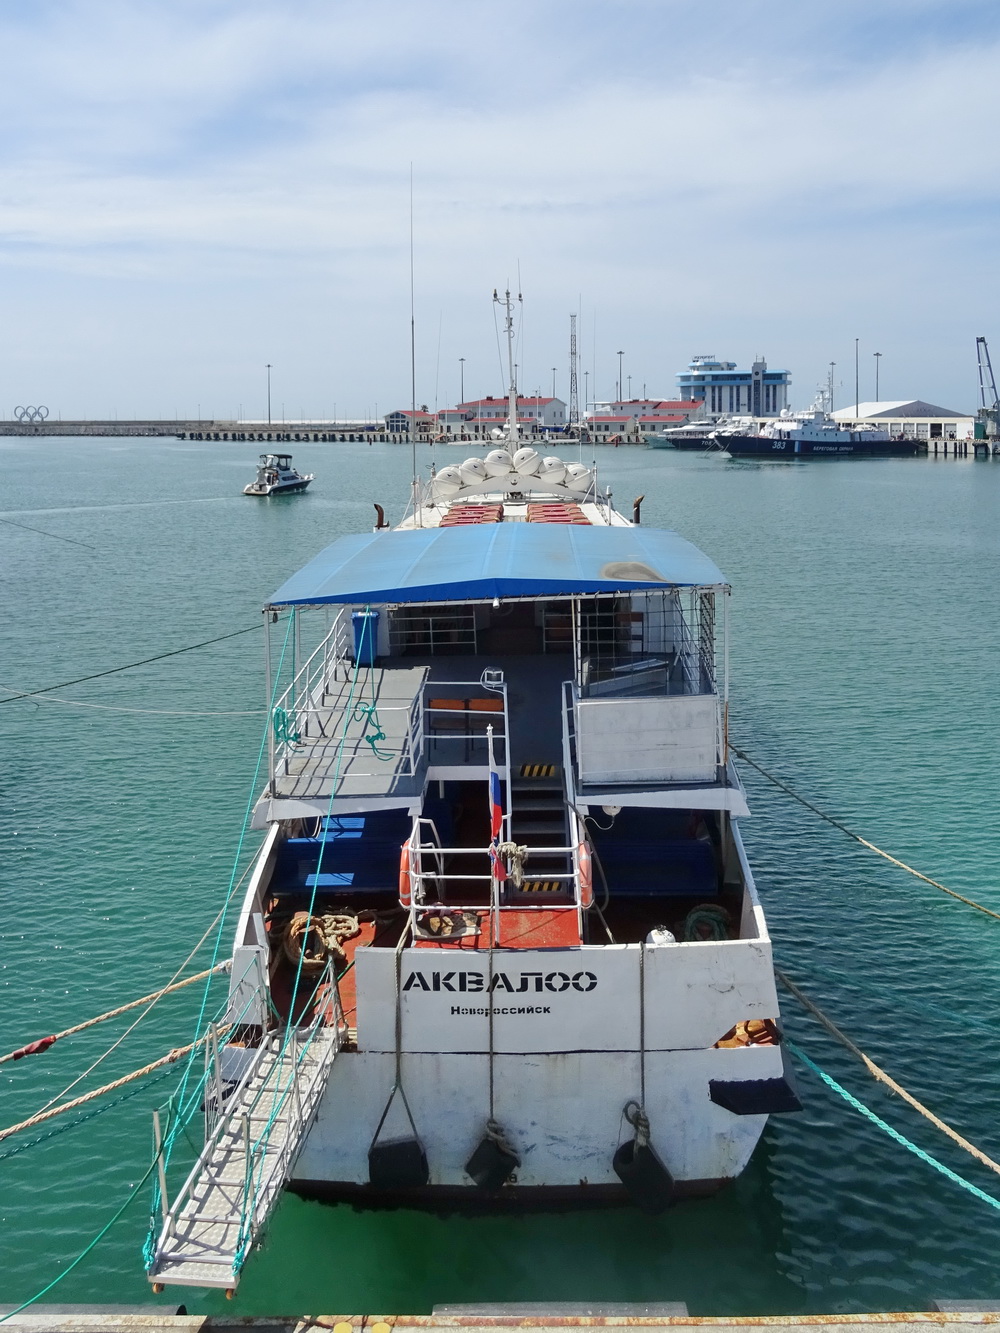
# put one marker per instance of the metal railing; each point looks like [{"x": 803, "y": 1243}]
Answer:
[
  {"x": 410, "y": 732},
  {"x": 428, "y": 887},
  {"x": 573, "y": 695},
  {"x": 278, "y": 1068}
]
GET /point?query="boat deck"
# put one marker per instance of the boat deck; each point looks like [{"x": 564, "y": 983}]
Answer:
[{"x": 343, "y": 747}]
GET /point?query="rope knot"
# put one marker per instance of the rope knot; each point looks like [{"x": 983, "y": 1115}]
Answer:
[
  {"x": 495, "y": 1132},
  {"x": 637, "y": 1118}
]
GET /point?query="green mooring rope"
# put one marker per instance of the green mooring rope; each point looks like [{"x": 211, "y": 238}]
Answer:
[
  {"x": 888, "y": 1129},
  {"x": 281, "y": 1092}
]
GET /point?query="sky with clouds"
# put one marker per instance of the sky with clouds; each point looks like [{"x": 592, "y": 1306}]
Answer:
[{"x": 190, "y": 189}]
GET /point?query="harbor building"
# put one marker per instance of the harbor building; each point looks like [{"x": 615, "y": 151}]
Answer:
[
  {"x": 533, "y": 412},
  {"x": 638, "y": 418},
  {"x": 398, "y": 422},
  {"x": 726, "y": 391},
  {"x": 480, "y": 416},
  {"x": 914, "y": 419}
]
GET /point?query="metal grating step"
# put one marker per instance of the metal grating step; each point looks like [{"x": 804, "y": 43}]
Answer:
[{"x": 214, "y": 1220}]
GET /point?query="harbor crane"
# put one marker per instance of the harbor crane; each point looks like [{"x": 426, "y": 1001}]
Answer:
[{"x": 989, "y": 404}]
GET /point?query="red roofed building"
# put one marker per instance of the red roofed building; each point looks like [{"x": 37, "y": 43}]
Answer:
[
  {"x": 537, "y": 414},
  {"x": 398, "y": 422},
  {"x": 635, "y": 418}
]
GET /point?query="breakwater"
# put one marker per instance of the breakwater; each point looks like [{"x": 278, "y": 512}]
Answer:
[{"x": 204, "y": 429}]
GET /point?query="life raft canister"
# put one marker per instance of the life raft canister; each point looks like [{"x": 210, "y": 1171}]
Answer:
[
  {"x": 405, "y": 892},
  {"x": 585, "y": 874}
]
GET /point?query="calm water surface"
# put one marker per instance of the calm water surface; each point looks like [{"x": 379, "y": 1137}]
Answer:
[{"x": 864, "y": 665}]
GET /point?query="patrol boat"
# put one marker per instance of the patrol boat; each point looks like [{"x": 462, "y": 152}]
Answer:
[
  {"x": 811, "y": 434},
  {"x": 275, "y": 476},
  {"x": 501, "y": 944}
]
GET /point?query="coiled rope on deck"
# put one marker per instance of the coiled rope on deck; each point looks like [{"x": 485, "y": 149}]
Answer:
[{"x": 829, "y": 819}]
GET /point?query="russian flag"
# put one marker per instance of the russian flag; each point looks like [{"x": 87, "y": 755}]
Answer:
[{"x": 496, "y": 814}]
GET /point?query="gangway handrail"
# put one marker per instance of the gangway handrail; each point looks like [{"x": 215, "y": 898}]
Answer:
[{"x": 274, "y": 1046}]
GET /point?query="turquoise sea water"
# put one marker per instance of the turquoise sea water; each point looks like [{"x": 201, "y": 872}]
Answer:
[{"x": 863, "y": 668}]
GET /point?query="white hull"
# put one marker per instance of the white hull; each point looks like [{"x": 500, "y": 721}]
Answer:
[
  {"x": 561, "y": 1113},
  {"x": 278, "y": 488}
]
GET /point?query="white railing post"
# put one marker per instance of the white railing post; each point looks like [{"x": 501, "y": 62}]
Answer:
[
  {"x": 296, "y": 1097},
  {"x": 247, "y": 1157},
  {"x": 270, "y": 702},
  {"x": 161, "y": 1173}
]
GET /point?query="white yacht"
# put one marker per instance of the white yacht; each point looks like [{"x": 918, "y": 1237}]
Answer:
[{"x": 276, "y": 476}]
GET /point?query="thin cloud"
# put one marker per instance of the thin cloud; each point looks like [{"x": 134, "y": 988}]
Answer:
[{"x": 200, "y": 161}]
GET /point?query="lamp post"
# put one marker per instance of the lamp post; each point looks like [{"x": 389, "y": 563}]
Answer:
[
  {"x": 553, "y": 381},
  {"x": 586, "y": 391},
  {"x": 857, "y": 374},
  {"x": 630, "y": 388},
  {"x": 461, "y": 371},
  {"x": 269, "y": 393},
  {"x": 877, "y": 356},
  {"x": 620, "y": 355}
]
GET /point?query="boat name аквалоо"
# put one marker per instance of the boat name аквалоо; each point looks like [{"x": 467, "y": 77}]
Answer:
[{"x": 501, "y": 943}]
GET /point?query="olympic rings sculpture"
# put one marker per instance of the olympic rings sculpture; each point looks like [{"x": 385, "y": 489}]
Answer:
[{"x": 28, "y": 414}]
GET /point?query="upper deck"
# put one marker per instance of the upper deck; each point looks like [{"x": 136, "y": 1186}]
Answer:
[{"x": 586, "y": 644}]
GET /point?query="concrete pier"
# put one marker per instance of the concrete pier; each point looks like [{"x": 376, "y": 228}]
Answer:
[{"x": 60, "y": 1320}]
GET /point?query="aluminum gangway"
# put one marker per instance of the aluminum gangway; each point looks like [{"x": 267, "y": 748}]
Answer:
[{"x": 248, "y": 1157}]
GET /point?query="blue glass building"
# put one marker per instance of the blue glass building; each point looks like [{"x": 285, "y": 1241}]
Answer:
[{"x": 757, "y": 392}]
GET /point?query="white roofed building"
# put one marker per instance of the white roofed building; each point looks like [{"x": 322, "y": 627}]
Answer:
[{"x": 912, "y": 418}]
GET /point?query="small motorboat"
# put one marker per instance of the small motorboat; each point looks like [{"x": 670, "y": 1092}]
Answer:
[{"x": 275, "y": 476}]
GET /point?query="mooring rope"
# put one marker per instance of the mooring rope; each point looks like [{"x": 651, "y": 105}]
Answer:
[
  {"x": 970, "y": 902},
  {"x": 155, "y": 1000},
  {"x": 82, "y": 1119},
  {"x": 84, "y": 1252},
  {"x": 882, "y": 1077},
  {"x": 111, "y": 671},
  {"x": 114, "y": 708},
  {"x": 888, "y": 1129},
  {"x": 111, "y": 1013},
  {"x": 167, "y": 1059}
]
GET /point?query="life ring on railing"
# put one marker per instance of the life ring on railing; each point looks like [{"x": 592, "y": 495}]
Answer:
[
  {"x": 405, "y": 891},
  {"x": 585, "y": 874}
]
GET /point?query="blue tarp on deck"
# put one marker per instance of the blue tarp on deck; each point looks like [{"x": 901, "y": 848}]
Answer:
[{"x": 496, "y": 560}]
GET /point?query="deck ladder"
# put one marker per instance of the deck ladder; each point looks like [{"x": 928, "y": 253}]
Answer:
[{"x": 248, "y": 1157}]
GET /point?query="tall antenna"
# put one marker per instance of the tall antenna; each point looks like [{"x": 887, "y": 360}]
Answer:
[
  {"x": 574, "y": 397},
  {"x": 413, "y": 366},
  {"x": 513, "y": 429}
]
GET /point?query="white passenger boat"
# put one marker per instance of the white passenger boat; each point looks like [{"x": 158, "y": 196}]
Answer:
[
  {"x": 276, "y": 476},
  {"x": 501, "y": 944}
]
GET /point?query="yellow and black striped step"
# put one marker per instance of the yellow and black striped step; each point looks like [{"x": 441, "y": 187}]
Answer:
[{"x": 540, "y": 770}]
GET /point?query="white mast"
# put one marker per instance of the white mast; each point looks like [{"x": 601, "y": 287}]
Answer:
[{"x": 513, "y": 429}]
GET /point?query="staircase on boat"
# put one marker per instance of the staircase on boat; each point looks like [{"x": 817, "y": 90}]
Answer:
[
  {"x": 538, "y": 819},
  {"x": 248, "y": 1158}
]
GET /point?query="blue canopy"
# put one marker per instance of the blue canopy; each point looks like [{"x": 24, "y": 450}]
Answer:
[{"x": 488, "y": 560}]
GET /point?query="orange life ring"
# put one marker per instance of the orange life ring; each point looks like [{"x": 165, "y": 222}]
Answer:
[
  {"x": 405, "y": 893},
  {"x": 585, "y": 874}
]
